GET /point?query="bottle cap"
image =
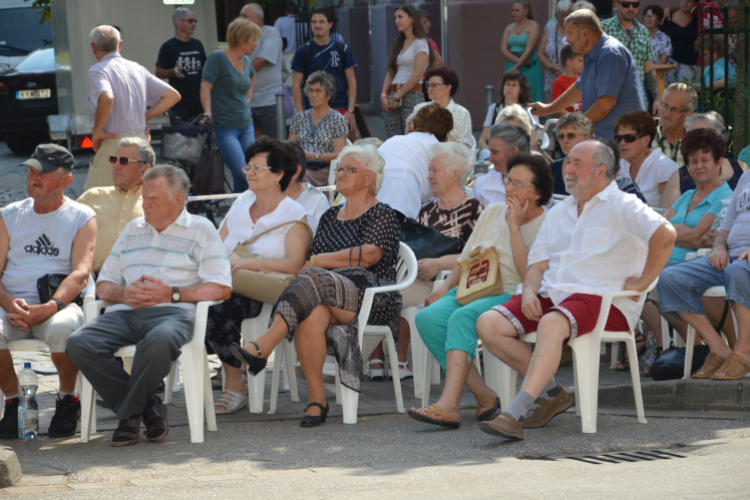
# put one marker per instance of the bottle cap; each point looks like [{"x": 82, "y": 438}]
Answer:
[{"x": 27, "y": 365}]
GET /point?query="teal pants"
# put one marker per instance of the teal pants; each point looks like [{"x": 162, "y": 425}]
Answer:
[{"x": 446, "y": 325}]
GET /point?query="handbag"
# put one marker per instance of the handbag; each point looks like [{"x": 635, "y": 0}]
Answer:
[
  {"x": 48, "y": 284},
  {"x": 399, "y": 102},
  {"x": 208, "y": 176},
  {"x": 265, "y": 286},
  {"x": 670, "y": 365},
  {"x": 480, "y": 276},
  {"x": 427, "y": 242}
]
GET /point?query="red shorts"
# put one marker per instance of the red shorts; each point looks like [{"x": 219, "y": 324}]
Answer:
[
  {"x": 581, "y": 310},
  {"x": 342, "y": 111}
]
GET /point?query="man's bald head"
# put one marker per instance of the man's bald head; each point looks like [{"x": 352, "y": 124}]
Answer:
[{"x": 252, "y": 12}]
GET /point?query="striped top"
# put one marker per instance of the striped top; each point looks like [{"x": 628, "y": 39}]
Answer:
[{"x": 188, "y": 252}]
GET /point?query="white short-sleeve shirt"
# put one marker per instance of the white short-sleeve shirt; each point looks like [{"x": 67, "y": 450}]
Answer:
[
  {"x": 489, "y": 188},
  {"x": 656, "y": 168},
  {"x": 599, "y": 250},
  {"x": 406, "y": 61}
]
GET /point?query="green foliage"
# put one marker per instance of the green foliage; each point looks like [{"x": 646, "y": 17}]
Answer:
[
  {"x": 43, "y": 10},
  {"x": 722, "y": 97}
]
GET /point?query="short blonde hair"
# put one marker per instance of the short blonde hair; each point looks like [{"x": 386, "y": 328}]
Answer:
[
  {"x": 368, "y": 154},
  {"x": 517, "y": 113},
  {"x": 240, "y": 31}
]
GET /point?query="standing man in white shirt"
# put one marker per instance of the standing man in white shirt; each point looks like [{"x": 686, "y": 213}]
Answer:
[
  {"x": 505, "y": 140},
  {"x": 119, "y": 92},
  {"x": 598, "y": 240},
  {"x": 266, "y": 60},
  {"x": 287, "y": 26}
]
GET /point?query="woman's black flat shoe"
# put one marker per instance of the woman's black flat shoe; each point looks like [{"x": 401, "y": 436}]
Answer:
[
  {"x": 254, "y": 363},
  {"x": 315, "y": 421}
]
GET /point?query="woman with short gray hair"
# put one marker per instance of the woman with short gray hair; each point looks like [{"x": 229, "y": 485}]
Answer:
[{"x": 321, "y": 131}]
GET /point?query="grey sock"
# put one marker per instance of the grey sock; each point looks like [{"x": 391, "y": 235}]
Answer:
[
  {"x": 551, "y": 391},
  {"x": 520, "y": 406}
]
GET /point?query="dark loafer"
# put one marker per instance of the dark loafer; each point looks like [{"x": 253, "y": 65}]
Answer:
[
  {"x": 127, "y": 432},
  {"x": 155, "y": 418}
]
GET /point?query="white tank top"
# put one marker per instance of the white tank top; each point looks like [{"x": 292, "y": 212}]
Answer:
[{"x": 40, "y": 244}]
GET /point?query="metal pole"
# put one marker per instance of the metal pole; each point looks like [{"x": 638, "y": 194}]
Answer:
[
  {"x": 489, "y": 96},
  {"x": 280, "y": 116},
  {"x": 444, "y": 30}
]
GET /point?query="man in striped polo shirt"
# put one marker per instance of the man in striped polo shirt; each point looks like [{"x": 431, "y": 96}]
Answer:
[{"x": 161, "y": 265}]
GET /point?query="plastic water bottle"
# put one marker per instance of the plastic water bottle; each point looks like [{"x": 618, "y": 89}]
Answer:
[
  {"x": 28, "y": 409},
  {"x": 650, "y": 351}
]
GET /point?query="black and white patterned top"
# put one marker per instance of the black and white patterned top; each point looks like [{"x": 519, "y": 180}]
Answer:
[
  {"x": 319, "y": 138},
  {"x": 662, "y": 45}
]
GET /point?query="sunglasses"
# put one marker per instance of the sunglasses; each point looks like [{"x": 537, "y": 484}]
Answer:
[
  {"x": 627, "y": 5},
  {"x": 192, "y": 21},
  {"x": 570, "y": 136},
  {"x": 628, "y": 138},
  {"x": 124, "y": 160}
]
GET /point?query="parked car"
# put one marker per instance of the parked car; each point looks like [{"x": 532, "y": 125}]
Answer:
[
  {"x": 28, "y": 95},
  {"x": 20, "y": 32}
]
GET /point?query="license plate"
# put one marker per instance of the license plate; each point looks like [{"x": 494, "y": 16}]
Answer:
[{"x": 34, "y": 94}]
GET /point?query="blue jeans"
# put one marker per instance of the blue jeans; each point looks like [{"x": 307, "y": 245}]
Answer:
[
  {"x": 233, "y": 142},
  {"x": 682, "y": 285}
]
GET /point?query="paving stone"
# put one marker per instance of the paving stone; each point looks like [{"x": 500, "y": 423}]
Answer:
[
  {"x": 19, "y": 490},
  {"x": 163, "y": 480},
  {"x": 100, "y": 486},
  {"x": 42, "y": 480},
  {"x": 10, "y": 469},
  {"x": 400, "y": 465}
]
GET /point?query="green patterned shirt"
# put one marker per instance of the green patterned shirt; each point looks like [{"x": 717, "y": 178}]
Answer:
[
  {"x": 672, "y": 152},
  {"x": 640, "y": 46}
]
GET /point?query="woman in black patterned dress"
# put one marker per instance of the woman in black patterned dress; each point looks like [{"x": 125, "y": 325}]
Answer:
[{"x": 355, "y": 247}]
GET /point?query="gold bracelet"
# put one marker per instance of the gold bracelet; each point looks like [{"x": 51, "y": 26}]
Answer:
[
  {"x": 317, "y": 156},
  {"x": 312, "y": 260}
]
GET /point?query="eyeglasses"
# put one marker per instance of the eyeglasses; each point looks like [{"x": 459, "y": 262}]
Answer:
[
  {"x": 516, "y": 184},
  {"x": 255, "y": 169},
  {"x": 192, "y": 21},
  {"x": 672, "y": 109},
  {"x": 627, "y": 5},
  {"x": 124, "y": 160},
  {"x": 628, "y": 138},
  {"x": 651, "y": 18},
  {"x": 570, "y": 136},
  {"x": 433, "y": 85},
  {"x": 346, "y": 170}
]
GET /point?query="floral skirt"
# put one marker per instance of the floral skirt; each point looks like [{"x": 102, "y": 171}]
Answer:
[{"x": 224, "y": 325}]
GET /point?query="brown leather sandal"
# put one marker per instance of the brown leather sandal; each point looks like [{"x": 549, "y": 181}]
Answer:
[
  {"x": 736, "y": 367},
  {"x": 435, "y": 411},
  {"x": 155, "y": 418},
  {"x": 710, "y": 366},
  {"x": 487, "y": 406},
  {"x": 127, "y": 432}
]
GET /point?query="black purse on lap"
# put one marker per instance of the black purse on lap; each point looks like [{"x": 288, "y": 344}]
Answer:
[{"x": 427, "y": 242}]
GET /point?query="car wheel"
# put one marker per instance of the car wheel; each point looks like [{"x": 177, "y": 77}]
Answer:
[{"x": 24, "y": 145}]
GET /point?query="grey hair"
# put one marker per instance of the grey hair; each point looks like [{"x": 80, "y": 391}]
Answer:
[
  {"x": 512, "y": 135},
  {"x": 692, "y": 96},
  {"x": 105, "y": 38},
  {"x": 578, "y": 120},
  {"x": 373, "y": 141},
  {"x": 176, "y": 179},
  {"x": 584, "y": 18},
  {"x": 326, "y": 80},
  {"x": 564, "y": 6},
  {"x": 256, "y": 10},
  {"x": 145, "y": 151},
  {"x": 455, "y": 156},
  {"x": 603, "y": 155},
  {"x": 514, "y": 112},
  {"x": 583, "y": 4},
  {"x": 368, "y": 154},
  {"x": 713, "y": 119},
  {"x": 179, "y": 12},
  {"x": 732, "y": 5}
]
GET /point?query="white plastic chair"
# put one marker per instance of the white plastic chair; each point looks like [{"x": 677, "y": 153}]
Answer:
[
  {"x": 195, "y": 372},
  {"x": 332, "y": 181},
  {"x": 586, "y": 352},
  {"x": 474, "y": 150},
  {"x": 406, "y": 273}
]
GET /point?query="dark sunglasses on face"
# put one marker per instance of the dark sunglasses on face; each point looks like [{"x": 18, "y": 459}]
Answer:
[
  {"x": 628, "y": 138},
  {"x": 194, "y": 21},
  {"x": 123, "y": 160},
  {"x": 627, "y": 5}
]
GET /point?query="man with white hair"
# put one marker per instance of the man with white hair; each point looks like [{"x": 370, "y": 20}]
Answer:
[
  {"x": 119, "y": 90},
  {"x": 181, "y": 60},
  {"x": 267, "y": 61},
  {"x": 598, "y": 240},
  {"x": 678, "y": 104},
  {"x": 162, "y": 264},
  {"x": 505, "y": 140}
]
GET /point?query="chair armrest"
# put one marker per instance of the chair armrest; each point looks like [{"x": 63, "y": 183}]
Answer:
[
  {"x": 92, "y": 308},
  {"x": 632, "y": 293},
  {"x": 201, "y": 318},
  {"x": 704, "y": 251}
]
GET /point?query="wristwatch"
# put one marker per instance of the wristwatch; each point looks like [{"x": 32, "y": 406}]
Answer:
[
  {"x": 350, "y": 111},
  {"x": 175, "y": 294},
  {"x": 59, "y": 303}
]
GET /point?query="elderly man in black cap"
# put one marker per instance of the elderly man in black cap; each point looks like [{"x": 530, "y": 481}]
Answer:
[{"x": 45, "y": 236}]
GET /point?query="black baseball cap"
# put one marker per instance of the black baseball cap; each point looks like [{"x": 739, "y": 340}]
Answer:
[{"x": 49, "y": 157}]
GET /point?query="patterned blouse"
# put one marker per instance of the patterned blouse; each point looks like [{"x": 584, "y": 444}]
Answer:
[
  {"x": 461, "y": 122},
  {"x": 458, "y": 222},
  {"x": 662, "y": 45},
  {"x": 319, "y": 138}
]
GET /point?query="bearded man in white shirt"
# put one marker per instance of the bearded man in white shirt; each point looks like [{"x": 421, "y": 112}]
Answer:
[{"x": 598, "y": 240}]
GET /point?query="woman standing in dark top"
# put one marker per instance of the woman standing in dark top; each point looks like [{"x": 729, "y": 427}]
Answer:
[{"x": 682, "y": 29}]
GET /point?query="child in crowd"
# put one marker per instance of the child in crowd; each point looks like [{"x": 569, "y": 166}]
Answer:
[
  {"x": 719, "y": 76},
  {"x": 573, "y": 64}
]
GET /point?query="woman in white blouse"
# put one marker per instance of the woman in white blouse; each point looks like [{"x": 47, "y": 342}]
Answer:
[
  {"x": 648, "y": 167},
  {"x": 442, "y": 85},
  {"x": 282, "y": 248},
  {"x": 305, "y": 194},
  {"x": 408, "y": 60}
]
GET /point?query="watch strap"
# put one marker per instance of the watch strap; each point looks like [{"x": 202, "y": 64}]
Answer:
[
  {"x": 175, "y": 291},
  {"x": 59, "y": 303}
]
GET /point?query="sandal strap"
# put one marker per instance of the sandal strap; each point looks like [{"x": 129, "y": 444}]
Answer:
[
  {"x": 403, "y": 364},
  {"x": 229, "y": 398},
  {"x": 734, "y": 365},
  {"x": 376, "y": 361},
  {"x": 322, "y": 408},
  {"x": 485, "y": 401},
  {"x": 439, "y": 411},
  {"x": 257, "y": 348}
]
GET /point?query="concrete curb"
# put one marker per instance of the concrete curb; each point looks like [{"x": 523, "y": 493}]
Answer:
[
  {"x": 686, "y": 395},
  {"x": 10, "y": 469}
]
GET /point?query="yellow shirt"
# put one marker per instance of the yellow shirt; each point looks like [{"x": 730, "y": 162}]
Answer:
[{"x": 114, "y": 209}]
